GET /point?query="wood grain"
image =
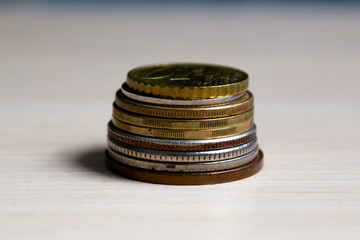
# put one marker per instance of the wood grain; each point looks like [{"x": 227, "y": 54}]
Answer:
[{"x": 60, "y": 68}]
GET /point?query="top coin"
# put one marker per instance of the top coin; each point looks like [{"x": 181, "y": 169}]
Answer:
[{"x": 188, "y": 81}]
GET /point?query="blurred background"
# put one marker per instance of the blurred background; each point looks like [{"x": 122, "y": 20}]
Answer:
[
  {"x": 61, "y": 63},
  {"x": 291, "y": 47},
  {"x": 76, "y": 52}
]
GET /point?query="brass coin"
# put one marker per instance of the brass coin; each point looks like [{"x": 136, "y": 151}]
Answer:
[
  {"x": 188, "y": 81},
  {"x": 184, "y": 134},
  {"x": 241, "y": 105},
  {"x": 170, "y": 123},
  {"x": 143, "y": 97},
  {"x": 179, "y": 145},
  {"x": 186, "y": 178}
]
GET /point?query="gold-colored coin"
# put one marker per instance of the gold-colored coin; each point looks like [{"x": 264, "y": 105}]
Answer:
[
  {"x": 241, "y": 105},
  {"x": 179, "y": 145},
  {"x": 184, "y": 134},
  {"x": 171, "y": 123},
  {"x": 188, "y": 81}
]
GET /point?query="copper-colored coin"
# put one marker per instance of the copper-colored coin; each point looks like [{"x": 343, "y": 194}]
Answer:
[
  {"x": 179, "y": 145},
  {"x": 186, "y": 178}
]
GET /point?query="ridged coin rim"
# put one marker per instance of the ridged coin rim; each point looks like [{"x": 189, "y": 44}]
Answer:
[
  {"x": 142, "y": 97},
  {"x": 184, "y": 134},
  {"x": 192, "y": 92},
  {"x": 182, "y": 156},
  {"x": 175, "y": 123},
  {"x": 173, "y": 178},
  {"x": 185, "y": 167},
  {"x": 179, "y": 145},
  {"x": 236, "y": 107}
]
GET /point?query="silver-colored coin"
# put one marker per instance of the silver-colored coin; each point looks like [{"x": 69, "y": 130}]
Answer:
[
  {"x": 163, "y": 101},
  {"x": 185, "y": 167},
  {"x": 118, "y": 132},
  {"x": 182, "y": 156}
]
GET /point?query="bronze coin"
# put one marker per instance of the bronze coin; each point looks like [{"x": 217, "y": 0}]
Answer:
[{"x": 182, "y": 178}]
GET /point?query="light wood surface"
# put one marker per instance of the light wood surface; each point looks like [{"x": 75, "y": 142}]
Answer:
[{"x": 60, "y": 68}]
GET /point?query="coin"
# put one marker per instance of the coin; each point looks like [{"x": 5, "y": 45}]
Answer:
[
  {"x": 184, "y": 134},
  {"x": 181, "y": 156},
  {"x": 184, "y": 124},
  {"x": 176, "y": 178},
  {"x": 141, "y": 97},
  {"x": 241, "y": 105},
  {"x": 188, "y": 81},
  {"x": 218, "y": 165},
  {"x": 180, "y": 145},
  {"x": 170, "y": 123}
]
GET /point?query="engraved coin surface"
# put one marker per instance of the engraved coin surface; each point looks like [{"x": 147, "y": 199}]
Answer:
[
  {"x": 186, "y": 178},
  {"x": 184, "y": 123},
  {"x": 143, "y": 97},
  {"x": 184, "y": 167},
  {"x": 181, "y": 156},
  {"x": 179, "y": 145},
  {"x": 243, "y": 104},
  {"x": 188, "y": 81},
  {"x": 170, "y": 123},
  {"x": 184, "y": 134}
]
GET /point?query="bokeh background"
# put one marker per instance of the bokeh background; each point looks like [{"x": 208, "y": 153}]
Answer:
[
  {"x": 70, "y": 43},
  {"x": 62, "y": 61}
]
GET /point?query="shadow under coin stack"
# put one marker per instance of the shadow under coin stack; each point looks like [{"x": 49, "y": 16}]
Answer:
[{"x": 184, "y": 124}]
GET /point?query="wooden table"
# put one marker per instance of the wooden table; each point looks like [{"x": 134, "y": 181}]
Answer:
[{"x": 60, "y": 68}]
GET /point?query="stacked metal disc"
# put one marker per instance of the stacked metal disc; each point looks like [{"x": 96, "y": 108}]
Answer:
[{"x": 184, "y": 124}]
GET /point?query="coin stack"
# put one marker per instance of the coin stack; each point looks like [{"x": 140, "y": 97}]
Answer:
[{"x": 184, "y": 124}]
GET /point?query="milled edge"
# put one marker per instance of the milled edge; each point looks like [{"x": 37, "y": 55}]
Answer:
[{"x": 190, "y": 92}]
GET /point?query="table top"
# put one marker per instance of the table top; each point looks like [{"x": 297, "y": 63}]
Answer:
[{"x": 60, "y": 68}]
